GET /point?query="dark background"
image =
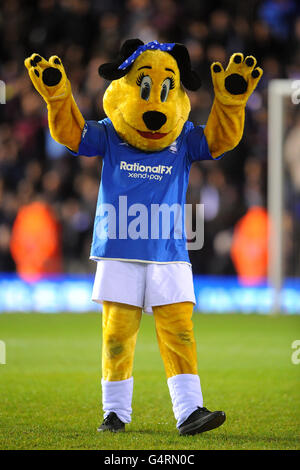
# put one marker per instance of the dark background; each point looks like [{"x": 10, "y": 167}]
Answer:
[{"x": 87, "y": 33}]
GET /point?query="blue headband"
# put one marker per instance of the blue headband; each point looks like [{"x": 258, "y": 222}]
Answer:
[{"x": 153, "y": 45}]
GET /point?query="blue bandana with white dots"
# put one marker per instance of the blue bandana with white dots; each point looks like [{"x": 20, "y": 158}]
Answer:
[{"x": 166, "y": 47}]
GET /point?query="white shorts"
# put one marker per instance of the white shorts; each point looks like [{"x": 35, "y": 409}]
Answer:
[{"x": 144, "y": 285}]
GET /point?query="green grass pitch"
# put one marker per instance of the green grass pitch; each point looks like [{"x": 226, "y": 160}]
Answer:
[{"x": 50, "y": 396}]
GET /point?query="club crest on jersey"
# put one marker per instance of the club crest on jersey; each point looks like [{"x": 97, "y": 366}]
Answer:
[{"x": 173, "y": 147}]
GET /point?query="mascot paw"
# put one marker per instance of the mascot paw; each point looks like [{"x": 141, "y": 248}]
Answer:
[
  {"x": 234, "y": 85},
  {"x": 48, "y": 77}
]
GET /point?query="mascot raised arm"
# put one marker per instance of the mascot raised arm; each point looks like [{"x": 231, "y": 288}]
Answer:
[{"x": 147, "y": 145}]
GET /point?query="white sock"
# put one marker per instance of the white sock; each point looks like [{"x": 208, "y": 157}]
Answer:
[
  {"x": 117, "y": 397},
  {"x": 186, "y": 395}
]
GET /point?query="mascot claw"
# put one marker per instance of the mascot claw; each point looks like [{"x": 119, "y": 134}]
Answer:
[
  {"x": 48, "y": 77},
  {"x": 234, "y": 85}
]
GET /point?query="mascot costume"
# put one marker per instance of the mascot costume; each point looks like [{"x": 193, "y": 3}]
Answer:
[{"x": 147, "y": 145}]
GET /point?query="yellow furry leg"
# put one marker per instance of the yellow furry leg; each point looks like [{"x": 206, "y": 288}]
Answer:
[
  {"x": 120, "y": 323},
  {"x": 176, "y": 340}
]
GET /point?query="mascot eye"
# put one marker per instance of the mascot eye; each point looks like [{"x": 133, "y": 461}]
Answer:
[
  {"x": 168, "y": 84},
  {"x": 145, "y": 82}
]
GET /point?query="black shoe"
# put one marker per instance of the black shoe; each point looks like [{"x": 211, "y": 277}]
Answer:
[
  {"x": 112, "y": 423},
  {"x": 202, "y": 420}
]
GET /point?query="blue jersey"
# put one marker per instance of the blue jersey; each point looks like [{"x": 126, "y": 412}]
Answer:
[{"x": 140, "y": 209}]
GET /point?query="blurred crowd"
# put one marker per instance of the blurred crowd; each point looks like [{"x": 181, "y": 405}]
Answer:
[{"x": 86, "y": 33}]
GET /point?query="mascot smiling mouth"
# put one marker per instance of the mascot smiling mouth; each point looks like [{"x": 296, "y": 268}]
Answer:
[
  {"x": 158, "y": 135},
  {"x": 152, "y": 135}
]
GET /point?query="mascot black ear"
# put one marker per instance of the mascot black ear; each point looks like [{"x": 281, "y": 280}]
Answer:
[
  {"x": 189, "y": 78},
  {"x": 110, "y": 70}
]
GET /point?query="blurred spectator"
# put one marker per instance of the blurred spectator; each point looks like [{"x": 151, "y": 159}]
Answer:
[
  {"x": 278, "y": 14},
  {"x": 35, "y": 242},
  {"x": 249, "y": 248},
  {"x": 292, "y": 153},
  {"x": 291, "y": 220}
]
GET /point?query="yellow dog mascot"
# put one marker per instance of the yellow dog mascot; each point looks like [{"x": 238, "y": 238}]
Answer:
[{"x": 147, "y": 145}]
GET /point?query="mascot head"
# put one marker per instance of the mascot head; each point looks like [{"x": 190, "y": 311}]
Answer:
[{"x": 146, "y": 101}]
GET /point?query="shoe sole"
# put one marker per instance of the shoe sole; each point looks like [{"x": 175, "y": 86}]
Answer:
[
  {"x": 111, "y": 430},
  {"x": 212, "y": 421}
]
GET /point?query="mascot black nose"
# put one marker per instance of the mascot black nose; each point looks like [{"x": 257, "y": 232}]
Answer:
[{"x": 154, "y": 120}]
